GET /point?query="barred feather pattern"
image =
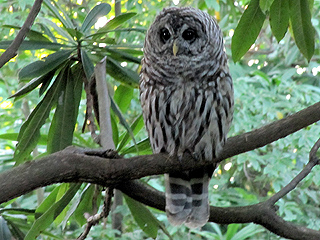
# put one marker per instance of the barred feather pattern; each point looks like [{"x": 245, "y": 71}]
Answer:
[{"x": 187, "y": 103}]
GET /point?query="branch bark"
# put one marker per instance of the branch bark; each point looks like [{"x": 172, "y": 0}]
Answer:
[
  {"x": 11, "y": 51},
  {"x": 73, "y": 165}
]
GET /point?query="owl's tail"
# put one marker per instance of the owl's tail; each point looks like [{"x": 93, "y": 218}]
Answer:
[{"x": 187, "y": 198}]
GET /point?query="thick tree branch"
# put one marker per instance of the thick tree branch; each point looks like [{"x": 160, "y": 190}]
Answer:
[
  {"x": 11, "y": 51},
  {"x": 71, "y": 165}
]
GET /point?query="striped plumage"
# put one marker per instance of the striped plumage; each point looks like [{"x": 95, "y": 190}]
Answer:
[{"x": 186, "y": 95}]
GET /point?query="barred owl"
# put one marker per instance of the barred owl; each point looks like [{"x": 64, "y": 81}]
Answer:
[{"x": 186, "y": 94}]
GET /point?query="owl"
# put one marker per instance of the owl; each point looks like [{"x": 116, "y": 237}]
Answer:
[{"x": 186, "y": 94}]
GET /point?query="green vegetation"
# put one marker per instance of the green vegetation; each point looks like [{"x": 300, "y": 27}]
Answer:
[{"x": 273, "y": 49}]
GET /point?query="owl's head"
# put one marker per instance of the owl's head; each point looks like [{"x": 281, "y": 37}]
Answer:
[{"x": 183, "y": 33}]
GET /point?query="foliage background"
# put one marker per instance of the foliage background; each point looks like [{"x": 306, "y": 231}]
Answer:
[{"x": 271, "y": 81}]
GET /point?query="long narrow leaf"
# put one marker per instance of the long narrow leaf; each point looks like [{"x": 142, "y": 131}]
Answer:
[
  {"x": 143, "y": 147},
  {"x": 122, "y": 74},
  {"x": 33, "y": 84},
  {"x": 47, "y": 31},
  {"x": 30, "y": 131},
  {"x": 64, "y": 20},
  {"x": 265, "y": 5},
  {"x": 14, "y": 137},
  {"x": 247, "y": 30},
  {"x": 87, "y": 64},
  {"x": 32, "y": 34},
  {"x": 136, "y": 127},
  {"x": 33, "y": 45},
  {"x": 85, "y": 204},
  {"x": 4, "y": 229},
  {"x": 279, "y": 18},
  {"x": 123, "y": 96},
  {"x": 98, "y": 11},
  {"x": 60, "y": 31},
  {"x": 40, "y": 68},
  {"x": 122, "y": 56},
  {"x": 112, "y": 24},
  {"x": 135, "y": 29},
  {"x": 303, "y": 31},
  {"x": 123, "y": 121},
  {"x": 48, "y": 217},
  {"x": 61, "y": 129},
  {"x": 146, "y": 221}
]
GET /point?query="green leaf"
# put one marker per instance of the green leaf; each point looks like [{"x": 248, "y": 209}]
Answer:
[
  {"x": 123, "y": 121},
  {"x": 47, "y": 31},
  {"x": 30, "y": 131},
  {"x": 51, "y": 213},
  {"x": 142, "y": 146},
  {"x": 85, "y": 204},
  {"x": 247, "y": 232},
  {"x": 15, "y": 228},
  {"x": 122, "y": 74},
  {"x": 303, "y": 31},
  {"x": 32, "y": 35},
  {"x": 98, "y": 11},
  {"x": 123, "y": 96},
  {"x": 66, "y": 21},
  {"x": 14, "y": 137},
  {"x": 265, "y": 5},
  {"x": 112, "y": 24},
  {"x": 120, "y": 55},
  {"x": 213, "y": 5},
  {"x": 279, "y": 18},
  {"x": 136, "y": 126},
  {"x": 87, "y": 64},
  {"x": 33, "y": 84},
  {"x": 47, "y": 202},
  {"x": 59, "y": 30},
  {"x": 231, "y": 230},
  {"x": 144, "y": 218},
  {"x": 115, "y": 130},
  {"x": 4, "y": 230},
  {"x": 40, "y": 68},
  {"x": 33, "y": 45},
  {"x": 62, "y": 126},
  {"x": 247, "y": 30},
  {"x": 102, "y": 33}
]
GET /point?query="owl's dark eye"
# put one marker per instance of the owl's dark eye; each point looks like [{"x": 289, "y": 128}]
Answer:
[
  {"x": 189, "y": 35},
  {"x": 164, "y": 35}
]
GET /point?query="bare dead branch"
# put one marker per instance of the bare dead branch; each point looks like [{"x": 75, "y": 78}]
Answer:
[{"x": 11, "y": 51}]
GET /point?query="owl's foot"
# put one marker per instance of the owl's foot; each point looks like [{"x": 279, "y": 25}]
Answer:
[{"x": 109, "y": 153}]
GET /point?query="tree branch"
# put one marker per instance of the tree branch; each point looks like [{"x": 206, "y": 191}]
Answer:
[
  {"x": 72, "y": 165},
  {"x": 11, "y": 51}
]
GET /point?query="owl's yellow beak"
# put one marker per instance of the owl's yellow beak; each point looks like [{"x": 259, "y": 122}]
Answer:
[{"x": 175, "y": 48}]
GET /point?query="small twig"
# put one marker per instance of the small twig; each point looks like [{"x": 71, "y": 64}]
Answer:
[
  {"x": 95, "y": 219},
  {"x": 11, "y": 51},
  {"x": 313, "y": 161}
]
